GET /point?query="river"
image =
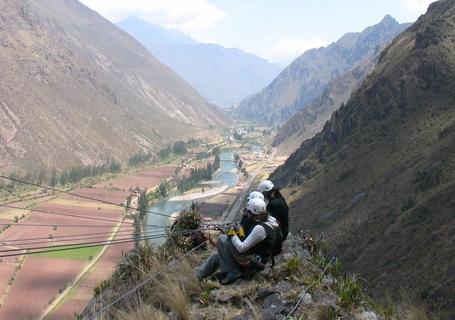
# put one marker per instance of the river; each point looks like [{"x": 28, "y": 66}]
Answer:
[{"x": 226, "y": 178}]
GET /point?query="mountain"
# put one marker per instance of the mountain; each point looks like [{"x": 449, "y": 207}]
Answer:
[
  {"x": 306, "y": 123},
  {"x": 222, "y": 75},
  {"x": 379, "y": 180},
  {"x": 308, "y": 76},
  {"x": 75, "y": 89}
]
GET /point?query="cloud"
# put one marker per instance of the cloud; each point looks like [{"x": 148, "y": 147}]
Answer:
[
  {"x": 417, "y": 6},
  {"x": 185, "y": 15},
  {"x": 288, "y": 49}
]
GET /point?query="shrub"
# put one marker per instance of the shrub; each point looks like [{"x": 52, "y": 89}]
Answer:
[{"x": 350, "y": 292}]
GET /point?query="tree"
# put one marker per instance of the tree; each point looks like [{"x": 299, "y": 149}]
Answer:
[
  {"x": 216, "y": 163},
  {"x": 53, "y": 178},
  {"x": 237, "y": 136},
  {"x": 63, "y": 178},
  {"x": 179, "y": 147},
  {"x": 216, "y": 151},
  {"x": 162, "y": 189}
]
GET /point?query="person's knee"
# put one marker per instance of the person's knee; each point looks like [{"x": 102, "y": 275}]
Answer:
[{"x": 221, "y": 241}]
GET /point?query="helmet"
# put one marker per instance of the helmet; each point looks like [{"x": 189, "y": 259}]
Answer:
[
  {"x": 255, "y": 194},
  {"x": 256, "y": 206},
  {"x": 265, "y": 186}
]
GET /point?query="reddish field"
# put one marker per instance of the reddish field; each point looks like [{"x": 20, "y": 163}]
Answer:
[
  {"x": 114, "y": 196},
  {"x": 145, "y": 179},
  {"x": 39, "y": 280},
  {"x": 102, "y": 270},
  {"x": 41, "y": 277},
  {"x": 27, "y": 232},
  {"x": 6, "y": 271}
]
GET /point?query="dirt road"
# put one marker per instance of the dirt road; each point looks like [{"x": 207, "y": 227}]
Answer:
[{"x": 233, "y": 212}]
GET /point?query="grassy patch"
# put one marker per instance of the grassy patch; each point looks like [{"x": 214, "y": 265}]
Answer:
[
  {"x": 350, "y": 292},
  {"x": 76, "y": 254}
]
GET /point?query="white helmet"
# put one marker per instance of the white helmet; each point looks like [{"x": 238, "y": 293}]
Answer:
[
  {"x": 255, "y": 195},
  {"x": 265, "y": 186},
  {"x": 256, "y": 206}
]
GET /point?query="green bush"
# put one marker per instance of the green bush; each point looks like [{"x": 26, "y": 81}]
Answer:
[{"x": 350, "y": 291}]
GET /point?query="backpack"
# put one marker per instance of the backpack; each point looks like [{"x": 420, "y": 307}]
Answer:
[{"x": 274, "y": 242}]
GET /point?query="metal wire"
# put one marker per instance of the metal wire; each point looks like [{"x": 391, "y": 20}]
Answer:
[{"x": 151, "y": 278}]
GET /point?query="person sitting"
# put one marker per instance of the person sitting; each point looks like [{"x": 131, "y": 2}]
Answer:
[
  {"x": 247, "y": 222},
  {"x": 233, "y": 254},
  {"x": 276, "y": 205}
]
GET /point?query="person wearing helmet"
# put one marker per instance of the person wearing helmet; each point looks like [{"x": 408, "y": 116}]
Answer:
[
  {"x": 234, "y": 254},
  {"x": 276, "y": 205},
  {"x": 254, "y": 195},
  {"x": 247, "y": 222}
]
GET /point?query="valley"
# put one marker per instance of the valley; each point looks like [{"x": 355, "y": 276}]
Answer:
[
  {"x": 81, "y": 270},
  {"x": 131, "y": 137}
]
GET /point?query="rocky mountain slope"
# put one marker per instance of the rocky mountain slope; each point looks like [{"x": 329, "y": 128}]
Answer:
[
  {"x": 75, "y": 89},
  {"x": 379, "y": 180},
  {"x": 307, "y": 77},
  {"x": 302, "y": 285},
  {"x": 222, "y": 75},
  {"x": 306, "y": 123}
]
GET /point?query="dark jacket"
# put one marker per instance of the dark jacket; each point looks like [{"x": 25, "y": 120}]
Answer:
[{"x": 279, "y": 209}]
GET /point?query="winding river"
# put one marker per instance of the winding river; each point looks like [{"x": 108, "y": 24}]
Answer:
[{"x": 225, "y": 177}]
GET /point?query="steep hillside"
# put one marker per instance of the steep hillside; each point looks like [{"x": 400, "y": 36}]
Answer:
[
  {"x": 379, "y": 180},
  {"x": 306, "y": 123},
  {"x": 307, "y": 77},
  {"x": 75, "y": 89},
  {"x": 222, "y": 75}
]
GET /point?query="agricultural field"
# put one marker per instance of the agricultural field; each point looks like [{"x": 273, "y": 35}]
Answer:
[
  {"x": 40, "y": 278},
  {"x": 143, "y": 180},
  {"x": 36, "y": 284}
]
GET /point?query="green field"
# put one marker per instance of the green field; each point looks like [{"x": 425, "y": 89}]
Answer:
[{"x": 77, "y": 254}]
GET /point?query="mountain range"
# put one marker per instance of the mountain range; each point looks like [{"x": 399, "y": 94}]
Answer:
[
  {"x": 379, "y": 180},
  {"x": 77, "y": 90},
  {"x": 306, "y": 78},
  {"x": 224, "y": 76},
  {"x": 309, "y": 121}
]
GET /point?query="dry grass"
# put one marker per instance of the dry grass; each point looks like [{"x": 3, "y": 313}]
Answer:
[
  {"x": 145, "y": 313},
  {"x": 170, "y": 296},
  {"x": 169, "y": 293},
  {"x": 174, "y": 290},
  {"x": 412, "y": 311}
]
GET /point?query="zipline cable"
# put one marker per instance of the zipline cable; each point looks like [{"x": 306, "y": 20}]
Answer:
[
  {"x": 65, "y": 214},
  {"x": 77, "y": 235},
  {"x": 82, "y": 246},
  {"x": 85, "y": 243},
  {"x": 80, "y": 196},
  {"x": 143, "y": 283}
]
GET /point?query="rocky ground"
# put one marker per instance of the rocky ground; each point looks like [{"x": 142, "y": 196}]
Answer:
[{"x": 303, "y": 284}]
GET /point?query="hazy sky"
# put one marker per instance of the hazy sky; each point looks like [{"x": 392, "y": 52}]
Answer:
[{"x": 279, "y": 30}]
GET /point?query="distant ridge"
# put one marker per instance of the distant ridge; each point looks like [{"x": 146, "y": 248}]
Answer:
[
  {"x": 222, "y": 75},
  {"x": 307, "y": 77}
]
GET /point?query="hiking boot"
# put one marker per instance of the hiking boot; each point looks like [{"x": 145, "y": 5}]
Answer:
[
  {"x": 220, "y": 275},
  {"x": 231, "y": 277}
]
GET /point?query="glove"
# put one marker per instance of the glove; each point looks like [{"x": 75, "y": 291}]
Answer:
[
  {"x": 231, "y": 232},
  {"x": 241, "y": 233},
  {"x": 235, "y": 230}
]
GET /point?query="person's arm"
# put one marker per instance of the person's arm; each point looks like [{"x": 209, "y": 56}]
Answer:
[{"x": 257, "y": 235}]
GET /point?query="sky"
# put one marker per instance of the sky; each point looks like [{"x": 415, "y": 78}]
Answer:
[{"x": 277, "y": 30}]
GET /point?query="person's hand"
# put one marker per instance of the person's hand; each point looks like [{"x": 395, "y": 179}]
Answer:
[{"x": 231, "y": 232}]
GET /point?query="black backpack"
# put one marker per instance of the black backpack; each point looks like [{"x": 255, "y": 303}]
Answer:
[{"x": 274, "y": 241}]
